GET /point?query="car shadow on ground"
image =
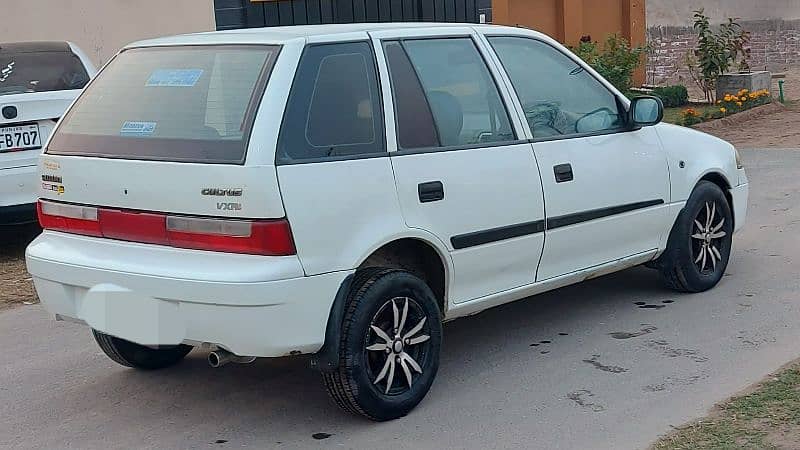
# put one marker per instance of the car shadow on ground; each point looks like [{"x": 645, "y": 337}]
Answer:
[
  {"x": 285, "y": 391},
  {"x": 14, "y": 239}
]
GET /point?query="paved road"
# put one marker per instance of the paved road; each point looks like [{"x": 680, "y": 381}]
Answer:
[{"x": 613, "y": 375}]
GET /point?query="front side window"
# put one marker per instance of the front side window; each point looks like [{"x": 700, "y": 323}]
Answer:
[
  {"x": 40, "y": 67},
  {"x": 182, "y": 104},
  {"x": 445, "y": 95},
  {"x": 559, "y": 96},
  {"x": 334, "y": 109}
]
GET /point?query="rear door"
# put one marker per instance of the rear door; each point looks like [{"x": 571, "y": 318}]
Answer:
[
  {"x": 334, "y": 171},
  {"x": 461, "y": 170},
  {"x": 606, "y": 185}
]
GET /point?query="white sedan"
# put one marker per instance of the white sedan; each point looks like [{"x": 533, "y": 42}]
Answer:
[{"x": 38, "y": 82}]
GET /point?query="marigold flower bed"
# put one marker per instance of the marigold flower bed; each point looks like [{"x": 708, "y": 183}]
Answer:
[{"x": 728, "y": 105}]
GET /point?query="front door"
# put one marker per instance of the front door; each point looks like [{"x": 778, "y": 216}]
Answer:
[
  {"x": 606, "y": 186},
  {"x": 461, "y": 171}
]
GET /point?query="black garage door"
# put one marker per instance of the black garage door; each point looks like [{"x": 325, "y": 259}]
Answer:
[{"x": 246, "y": 14}]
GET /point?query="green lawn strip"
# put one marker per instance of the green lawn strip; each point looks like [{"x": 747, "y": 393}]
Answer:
[
  {"x": 751, "y": 421},
  {"x": 675, "y": 115}
]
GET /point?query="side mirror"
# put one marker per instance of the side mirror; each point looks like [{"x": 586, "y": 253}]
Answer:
[{"x": 646, "y": 111}]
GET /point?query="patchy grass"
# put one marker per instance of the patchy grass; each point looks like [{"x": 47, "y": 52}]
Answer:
[
  {"x": 767, "y": 418},
  {"x": 675, "y": 115}
]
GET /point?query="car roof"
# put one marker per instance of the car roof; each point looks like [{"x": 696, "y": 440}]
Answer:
[{"x": 278, "y": 35}]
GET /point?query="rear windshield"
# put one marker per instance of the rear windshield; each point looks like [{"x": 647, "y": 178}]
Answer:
[
  {"x": 183, "y": 104},
  {"x": 28, "y": 68}
]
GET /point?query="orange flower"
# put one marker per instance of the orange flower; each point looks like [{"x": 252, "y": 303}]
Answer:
[
  {"x": 723, "y": 110},
  {"x": 739, "y": 103}
]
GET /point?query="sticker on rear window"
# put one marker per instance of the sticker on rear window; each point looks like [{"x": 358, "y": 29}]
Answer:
[
  {"x": 138, "y": 129},
  {"x": 174, "y": 77}
]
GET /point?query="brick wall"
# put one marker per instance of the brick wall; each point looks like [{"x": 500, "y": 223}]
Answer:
[{"x": 775, "y": 45}]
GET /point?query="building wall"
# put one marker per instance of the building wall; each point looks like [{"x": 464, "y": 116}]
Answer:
[
  {"x": 774, "y": 24},
  {"x": 679, "y": 12},
  {"x": 102, "y": 27},
  {"x": 569, "y": 21}
]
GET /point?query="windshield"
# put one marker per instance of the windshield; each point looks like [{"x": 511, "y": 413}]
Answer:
[
  {"x": 182, "y": 104},
  {"x": 39, "y": 67}
]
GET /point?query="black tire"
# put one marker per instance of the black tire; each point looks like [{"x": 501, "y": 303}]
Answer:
[
  {"x": 355, "y": 386},
  {"x": 138, "y": 356},
  {"x": 679, "y": 266}
]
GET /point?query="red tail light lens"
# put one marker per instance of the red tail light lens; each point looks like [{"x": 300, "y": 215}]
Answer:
[
  {"x": 69, "y": 218},
  {"x": 255, "y": 237},
  {"x": 273, "y": 237}
]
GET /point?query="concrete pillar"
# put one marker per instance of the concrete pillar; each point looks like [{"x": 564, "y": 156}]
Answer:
[
  {"x": 570, "y": 18},
  {"x": 634, "y": 24}
]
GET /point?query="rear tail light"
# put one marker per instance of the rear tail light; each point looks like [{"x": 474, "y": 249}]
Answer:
[
  {"x": 237, "y": 236},
  {"x": 256, "y": 237},
  {"x": 69, "y": 218}
]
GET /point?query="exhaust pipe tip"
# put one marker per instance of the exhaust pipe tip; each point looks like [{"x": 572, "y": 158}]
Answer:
[
  {"x": 220, "y": 357},
  {"x": 217, "y": 360}
]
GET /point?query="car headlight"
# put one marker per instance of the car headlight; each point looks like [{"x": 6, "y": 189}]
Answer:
[{"x": 739, "y": 163}]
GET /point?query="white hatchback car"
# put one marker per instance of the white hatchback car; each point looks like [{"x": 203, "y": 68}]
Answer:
[
  {"x": 38, "y": 82},
  {"x": 341, "y": 190}
]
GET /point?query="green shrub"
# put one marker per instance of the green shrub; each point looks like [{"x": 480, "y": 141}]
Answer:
[
  {"x": 672, "y": 96},
  {"x": 616, "y": 61},
  {"x": 718, "y": 49}
]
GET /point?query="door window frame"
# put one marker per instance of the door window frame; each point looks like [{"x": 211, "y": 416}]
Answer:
[
  {"x": 622, "y": 104},
  {"x": 390, "y": 116}
]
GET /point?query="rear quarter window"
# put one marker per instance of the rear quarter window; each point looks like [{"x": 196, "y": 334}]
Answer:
[
  {"x": 182, "y": 104},
  {"x": 334, "y": 109}
]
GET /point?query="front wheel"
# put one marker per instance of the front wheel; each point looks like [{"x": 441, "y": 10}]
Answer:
[
  {"x": 699, "y": 245},
  {"x": 130, "y": 354},
  {"x": 389, "y": 345}
]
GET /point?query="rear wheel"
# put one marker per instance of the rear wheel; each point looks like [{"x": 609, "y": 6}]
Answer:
[
  {"x": 700, "y": 242},
  {"x": 138, "y": 356},
  {"x": 389, "y": 345}
]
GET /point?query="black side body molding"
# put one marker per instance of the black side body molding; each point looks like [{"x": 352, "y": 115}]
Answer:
[
  {"x": 586, "y": 216},
  {"x": 496, "y": 234},
  {"x": 477, "y": 238}
]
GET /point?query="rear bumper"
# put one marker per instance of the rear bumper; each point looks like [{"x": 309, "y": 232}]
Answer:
[
  {"x": 18, "y": 214},
  {"x": 18, "y": 187},
  {"x": 740, "y": 196},
  {"x": 251, "y": 306}
]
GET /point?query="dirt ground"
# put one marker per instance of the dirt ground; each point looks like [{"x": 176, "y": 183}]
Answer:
[
  {"x": 777, "y": 130},
  {"x": 16, "y": 287}
]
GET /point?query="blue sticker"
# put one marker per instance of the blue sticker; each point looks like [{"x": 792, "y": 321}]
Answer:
[
  {"x": 174, "y": 77},
  {"x": 138, "y": 129}
]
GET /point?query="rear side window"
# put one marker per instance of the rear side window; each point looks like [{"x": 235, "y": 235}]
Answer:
[
  {"x": 40, "y": 67},
  {"x": 183, "y": 104},
  {"x": 334, "y": 109},
  {"x": 445, "y": 95}
]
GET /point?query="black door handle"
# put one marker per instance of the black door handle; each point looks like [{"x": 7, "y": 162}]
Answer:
[
  {"x": 563, "y": 173},
  {"x": 432, "y": 191}
]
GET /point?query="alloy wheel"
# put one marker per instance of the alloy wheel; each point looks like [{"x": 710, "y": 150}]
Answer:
[
  {"x": 397, "y": 345},
  {"x": 708, "y": 239}
]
